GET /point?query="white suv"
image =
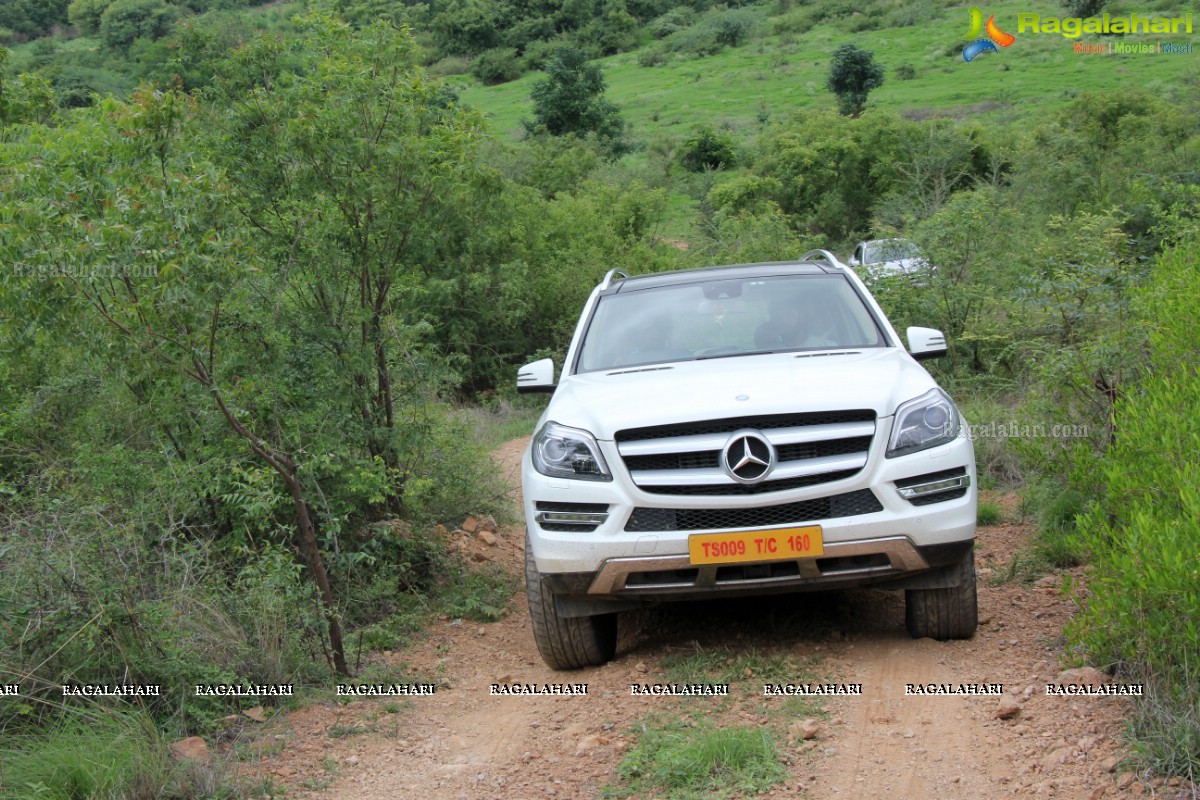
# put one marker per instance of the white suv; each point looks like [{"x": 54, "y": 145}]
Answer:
[{"x": 742, "y": 430}]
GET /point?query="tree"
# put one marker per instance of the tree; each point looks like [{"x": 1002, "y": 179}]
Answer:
[
  {"x": 24, "y": 98},
  {"x": 85, "y": 14},
  {"x": 853, "y": 73},
  {"x": 32, "y": 18},
  {"x": 126, "y": 20},
  {"x": 570, "y": 100},
  {"x": 255, "y": 257}
]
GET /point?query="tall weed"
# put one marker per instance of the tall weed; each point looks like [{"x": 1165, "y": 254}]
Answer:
[{"x": 1143, "y": 614}]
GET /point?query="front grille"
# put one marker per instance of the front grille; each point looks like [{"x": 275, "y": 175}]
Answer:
[
  {"x": 685, "y": 458},
  {"x": 756, "y": 488},
  {"x": 849, "y": 504},
  {"x": 737, "y": 423}
]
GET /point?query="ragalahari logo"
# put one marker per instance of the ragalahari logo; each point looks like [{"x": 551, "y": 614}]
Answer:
[{"x": 980, "y": 43}]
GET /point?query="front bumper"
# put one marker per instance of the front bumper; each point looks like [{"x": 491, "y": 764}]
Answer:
[
  {"x": 888, "y": 563},
  {"x": 632, "y": 542}
]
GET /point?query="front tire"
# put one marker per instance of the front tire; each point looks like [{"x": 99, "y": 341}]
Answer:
[
  {"x": 566, "y": 642},
  {"x": 950, "y": 613}
]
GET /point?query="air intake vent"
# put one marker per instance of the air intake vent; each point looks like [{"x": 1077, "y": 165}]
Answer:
[{"x": 697, "y": 519}]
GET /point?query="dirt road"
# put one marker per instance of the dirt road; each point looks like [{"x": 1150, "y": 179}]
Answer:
[{"x": 462, "y": 742}]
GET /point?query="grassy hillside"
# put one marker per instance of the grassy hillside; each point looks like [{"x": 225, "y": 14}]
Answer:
[{"x": 776, "y": 74}]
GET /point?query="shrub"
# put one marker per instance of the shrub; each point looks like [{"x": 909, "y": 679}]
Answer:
[
  {"x": 708, "y": 149},
  {"x": 85, "y": 14},
  {"x": 101, "y": 753},
  {"x": 698, "y": 40},
  {"x": 794, "y": 22},
  {"x": 988, "y": 513},
  {"x": 1143, "y": 615},
  {"x": 732, "y": 30},
  {"x": 651, "y": 57},
  {"x": 127, "y": 20},
  {"x": 860, "y": 23},
  {"x": 499, "y": 65},
  {"x": 906, "y": 72},
  {"x": 451, "y": 65},
  {"x": 157, "y": 612},
  {"x": 614, "y": 30},
  {"x": 673, "y": 21},
  {"x": 538, "y": 54}
]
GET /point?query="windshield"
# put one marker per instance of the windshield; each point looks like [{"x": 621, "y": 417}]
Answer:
[
  {"x": 889, "y": 250},
  {"x": 726, "y": 318}
]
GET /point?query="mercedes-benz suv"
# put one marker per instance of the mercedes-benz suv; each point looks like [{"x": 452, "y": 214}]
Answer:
[{"x": 742, "y": 430}]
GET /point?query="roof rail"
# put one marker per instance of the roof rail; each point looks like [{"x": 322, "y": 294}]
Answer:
[
  {"x": 823, "y": 255},
  {"x": 610, "y": 275}
]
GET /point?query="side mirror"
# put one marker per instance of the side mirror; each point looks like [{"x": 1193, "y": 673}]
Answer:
[
  {"x": 926, "y": 343},
  {"x": 537, "y": 377},
  {"x": 854, "y": 262}
]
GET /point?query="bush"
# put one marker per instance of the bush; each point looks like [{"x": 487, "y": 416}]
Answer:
[
  {"x": 906, "y": 72},
  {"x": 451, "y": 65},
  {"x": 538, "y": 54},
  {"x": 698, "y": 40},
  {"x": 860, "y": 23},
  {"x": 85, "y": 14},
  {"x": 100, "y": 753},
  {"x": 148, "y": 612},
  {"x": 988, "y": 513},
  {"x": 651, "y": 57},
  {"x": 794, "y": 22},
  {"x": 731, "y": 29},
  {"x": 673, "y": 21},
  {"x": 1143, "y": 615},
  {"x": 706, "y": 149},
  {"x": 127, "y": 20},
  {"x": 614, "y": 30},
  {"x": 499, "y": 65}
]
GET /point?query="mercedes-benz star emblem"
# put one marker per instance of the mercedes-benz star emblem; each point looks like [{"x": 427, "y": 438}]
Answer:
[{"x": 748, "y": 457}]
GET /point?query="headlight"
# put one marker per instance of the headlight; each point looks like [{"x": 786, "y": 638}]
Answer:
[
  {"x": 562, "y": 452},
  {"x": 925, "y": 422}
]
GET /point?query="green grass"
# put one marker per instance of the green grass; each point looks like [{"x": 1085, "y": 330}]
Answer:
[
  {"x": 989, "y": 513},
  {"x": 342, "y": 731},
  {"x": 774, "y": 76},
  {"x": 480, "y": 595},
  {"x": 100, "y": 754},
  {"x": 722, "y": 665},
  {"x": 503, "y": 420},
  {"x": 679, "y": 761},
  {"x": 1025, "y": 568},
  {"x": 1061, "y": 549}
]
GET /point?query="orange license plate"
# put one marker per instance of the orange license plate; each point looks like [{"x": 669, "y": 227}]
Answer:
[{"x": 776, "y": 545}]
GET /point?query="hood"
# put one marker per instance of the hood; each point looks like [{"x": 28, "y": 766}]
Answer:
[
  {"x": 905, "y": 265},
  {"x": 782, "y": 383}
]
